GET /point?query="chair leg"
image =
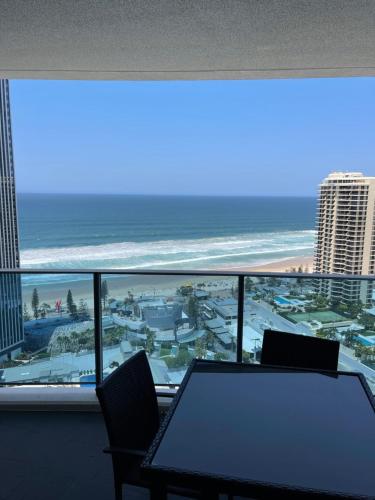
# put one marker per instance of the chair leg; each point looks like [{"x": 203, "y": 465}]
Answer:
[{"x": 118, "y": 490}]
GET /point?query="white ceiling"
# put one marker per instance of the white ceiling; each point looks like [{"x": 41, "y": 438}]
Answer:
[{"x": 186, "y": 39}]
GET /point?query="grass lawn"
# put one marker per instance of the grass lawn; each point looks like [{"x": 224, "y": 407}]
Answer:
[
  {"x": 164, "y": 352},
  {"x": 368, "y": 333},
  {"x": 321, "y": 316}
]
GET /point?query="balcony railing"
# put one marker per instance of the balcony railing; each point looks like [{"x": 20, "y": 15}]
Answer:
[{"x": 74, "y": 327}]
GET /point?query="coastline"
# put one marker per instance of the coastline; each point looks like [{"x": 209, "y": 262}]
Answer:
[
  {"x": 279, "y": 266},
  {"x": 151, "y": 284}
]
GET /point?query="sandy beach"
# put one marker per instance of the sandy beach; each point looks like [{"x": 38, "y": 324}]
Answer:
[
  {"x": 280, "y": 266},
  {"x": 119, "y": 286}
]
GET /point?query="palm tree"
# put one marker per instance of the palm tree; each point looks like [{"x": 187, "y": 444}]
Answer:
[
  {"x": 150, "y": 347},
  {"x": 192, "y": 310},
  {"x": 175, "y": 328},
  {"x": 126, "y": 332},
  {"x": 331, "y": 333},
  {"x": 200, "y": 348},
  {"x": 210, "y": 339},
  {"x": 350, "y": 338}
]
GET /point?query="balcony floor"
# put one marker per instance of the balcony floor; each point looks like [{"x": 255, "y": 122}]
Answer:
[{"x": 45, "y": 455}]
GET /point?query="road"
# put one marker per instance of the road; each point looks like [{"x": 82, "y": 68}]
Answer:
[{"x": 346, "y": 361}]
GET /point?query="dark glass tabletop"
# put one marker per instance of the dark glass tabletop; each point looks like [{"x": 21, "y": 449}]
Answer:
[{"x": 303, "y": 429}]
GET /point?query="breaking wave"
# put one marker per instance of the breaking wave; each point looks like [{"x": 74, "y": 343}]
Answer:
[{"x": 204, "y": 253}]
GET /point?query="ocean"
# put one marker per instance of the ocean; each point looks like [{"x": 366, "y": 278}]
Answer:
[{"x": 162, "y": 232}]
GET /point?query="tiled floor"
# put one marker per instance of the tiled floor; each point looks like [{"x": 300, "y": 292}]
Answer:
[
  {"x": 47, "y": 455},
  {"x": 56, "y": 456}
]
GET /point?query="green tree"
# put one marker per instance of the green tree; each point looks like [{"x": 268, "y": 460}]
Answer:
[
  {"x": 44, "y": 309},
  {"x": 350, "y": 338},
  {"x": 67, "y": 343},
  {"x": 82, "y": 341},
  {"x": 210, "y": 339},
  {"x": 104, "y": 292},
  {"x": 74, "y": 312},
  {"x": 272, "y": 281},
  {"x": 365, "y": 353},
  {"x": 221, "y": 356},
  {"x": 359, "y": 350},
  {"x": 367, "y": 321},
  {"x": 332, "y": 333},
  {"x": 35, "y": 303},
  {"x": 200, "y": 348},
  {"x": 327, "y": 333},
  {"x": 59, "y": 342},
  {"x": 83, "y": 311},
  {"x": 26, "y": 315},
  {"x": 70, "y": 302},
  {"x": 129, "y": 299},
  {"x": 74, "y": 336},
  {"x": 150, "y": 347},
  {"x": 183, "y": 358},
  {"x": 248, "y": 284},
  {"x": 342, "y": 308},
  {"x": 246, "y": 357},
  {"x": 192, "y": 311},
  {"x": 320, "y": 302},
  {"x": 355, "y": 308}
]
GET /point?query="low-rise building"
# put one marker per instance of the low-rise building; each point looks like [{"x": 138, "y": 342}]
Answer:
[{"x": 227, "y": 309}]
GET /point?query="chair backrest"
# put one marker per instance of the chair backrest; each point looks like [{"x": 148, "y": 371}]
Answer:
[
  {"x": 129, "y": 404},
  {"x": 300, "y": 351}
]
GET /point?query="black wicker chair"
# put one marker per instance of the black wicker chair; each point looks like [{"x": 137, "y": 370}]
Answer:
[
  {"x": 131, "y": 414},
  {"x": 299, "y": 351},
  {"x": 130, "y": 408}
]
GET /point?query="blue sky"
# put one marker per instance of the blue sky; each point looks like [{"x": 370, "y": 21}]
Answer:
[{"x": 276, "y": 137}]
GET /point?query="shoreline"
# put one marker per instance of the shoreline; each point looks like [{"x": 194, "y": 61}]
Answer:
[
  {"x": 152, "y": 284},
  {"x": 279, "y": 266}
]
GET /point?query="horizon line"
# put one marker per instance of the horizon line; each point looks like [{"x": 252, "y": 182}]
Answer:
[{"x": 220, "y": 195}]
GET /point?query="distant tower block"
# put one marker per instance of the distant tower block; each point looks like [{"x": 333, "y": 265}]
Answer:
[
  {"x": 345, "y": 241},
  {"x": 11, "y": 326}
]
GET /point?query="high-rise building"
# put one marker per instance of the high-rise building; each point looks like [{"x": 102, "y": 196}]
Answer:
[
  {"x": 11, "y": 325},
  {"x": 345, "y": 240}
]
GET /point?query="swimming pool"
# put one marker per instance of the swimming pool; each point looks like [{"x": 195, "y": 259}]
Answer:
[
  {"x": 282, "y": 301},
  {"x": 364, "y": 341},
  {"x": 87, "y": 378}
]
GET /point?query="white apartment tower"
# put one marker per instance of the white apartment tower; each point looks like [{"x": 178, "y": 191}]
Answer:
[
  {"x": 11, "y": 324},
  {"x": 345, "y": 240}
]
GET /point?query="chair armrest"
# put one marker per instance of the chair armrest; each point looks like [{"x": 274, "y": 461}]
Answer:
[{"x": 124, "y": 451}]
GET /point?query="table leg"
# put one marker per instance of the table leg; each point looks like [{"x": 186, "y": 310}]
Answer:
[{"x": 158, "y": 492}]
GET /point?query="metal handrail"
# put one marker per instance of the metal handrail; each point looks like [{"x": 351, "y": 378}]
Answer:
[{"x": 193, "y": 272}]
